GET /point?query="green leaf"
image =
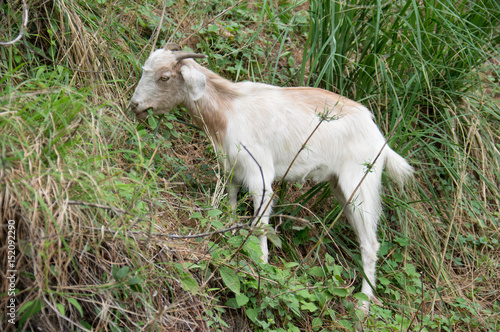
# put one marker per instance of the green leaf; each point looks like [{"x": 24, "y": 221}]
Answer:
[
  {"x": 152, "y": 121},
  {"x": 217, "y": 224},
  {"x": 189, "y": 284},
  {"x": 292, "y": 328},
  {"x": 347, "y": 324},
  {"x": 290, "y": 265},
  {"x": 86, "y": 325},
  {"x": 196, "y": 215},
  {"x": 241, "y": 299},
  {"x": 77, "y": 305},
  {"x": 337, "y": 270},
  {"x": 252, "y": 247},
  {"x": 305, "y": 294},
  {"x": 340, "y": 292},
  {"x": 61, "y": 308},
  {"x": 402, "y": 241},
  {"x": 230, "y": 279},
  {"x": 235, "y": 241},
  {"x": 293, "y": 303},
  {"x": 309, "y": 306},
  {"x": 316, "y": 322},
  {"x": 134, "y": 281},
  {"x": 384, "y": 281},
  {"x": 361, "y": 297},
  {"x": 121, "y": 273},
  {"x": 213, "y": 28},
  {"x": 214, "y": 213},
  {"x": 316, "y": 271},
  {"x": 253, "y": 314},
  {"x": 232, "y": 303},
  {"x": 274, "y": 238},
  {"x": 30, "y": 309}
]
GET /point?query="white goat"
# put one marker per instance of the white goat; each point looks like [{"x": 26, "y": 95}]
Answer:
[{"x": 272, "y": 123}]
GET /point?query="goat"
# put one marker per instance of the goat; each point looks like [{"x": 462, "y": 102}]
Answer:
[{"x": 272, "y": 123}]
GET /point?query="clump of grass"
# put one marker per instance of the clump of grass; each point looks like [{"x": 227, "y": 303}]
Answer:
[
  {"x": 86, "y": 248},
  {"x": 80, "y": 182}
]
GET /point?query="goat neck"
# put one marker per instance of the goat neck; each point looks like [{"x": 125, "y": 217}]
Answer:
[{"x": 212, "y": 110}]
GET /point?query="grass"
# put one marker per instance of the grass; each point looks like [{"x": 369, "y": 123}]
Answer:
[{"x": 101, "y": 202}]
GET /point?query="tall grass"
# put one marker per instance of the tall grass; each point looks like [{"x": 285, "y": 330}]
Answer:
[
  {"x": 423, "y": 62},
  {"x": 96, "y": 195}
]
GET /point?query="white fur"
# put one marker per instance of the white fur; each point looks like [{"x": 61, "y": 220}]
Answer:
[{"x": 273, "y": 123}]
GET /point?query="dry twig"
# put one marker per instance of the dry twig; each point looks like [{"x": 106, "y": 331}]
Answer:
[{"x": 23, "y": 27}]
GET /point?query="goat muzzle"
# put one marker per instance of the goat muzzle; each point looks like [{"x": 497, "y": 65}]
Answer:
[
  {"x": 133, "y": 106},
  {"x": 140, "y": 114}
]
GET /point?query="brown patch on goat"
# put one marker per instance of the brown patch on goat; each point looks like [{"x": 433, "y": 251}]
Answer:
[
  {"x": 211, "y": 112},
  {"x": 171, "y": 69},
  {"x": 322, "y": 101}
]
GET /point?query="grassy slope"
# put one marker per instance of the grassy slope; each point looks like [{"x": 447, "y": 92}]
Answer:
[{"x": 96, "y": 195}]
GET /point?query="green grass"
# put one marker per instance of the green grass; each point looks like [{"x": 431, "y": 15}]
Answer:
[{"x": 99, "y": 199}]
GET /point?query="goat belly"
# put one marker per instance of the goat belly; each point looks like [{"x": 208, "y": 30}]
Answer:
[{"x": 301, "y": 173}]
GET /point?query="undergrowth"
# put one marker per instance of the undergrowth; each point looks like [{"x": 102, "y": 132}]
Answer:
[{"x": 122, "y": 225}]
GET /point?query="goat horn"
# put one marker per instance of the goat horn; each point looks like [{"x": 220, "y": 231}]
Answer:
[
  {"x": 172, "y": 47},
  {"x": 179, "y": 56}
]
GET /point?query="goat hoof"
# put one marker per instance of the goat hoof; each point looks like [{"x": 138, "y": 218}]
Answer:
[
  {"x": 365, "y": 305},
  {"x": 376, "y": 301}
]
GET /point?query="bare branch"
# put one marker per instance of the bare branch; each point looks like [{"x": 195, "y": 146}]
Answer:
[
  {"x": 170, "y": 236},
  {"x": 23, "y": 27},
  {"x": 158, "y": 29},
  {"x": 370, "y": 166},
  {"x": 150, "y": 234},
  {"x": 100, "y": 206},
  {"x": 257, "y": 210}
]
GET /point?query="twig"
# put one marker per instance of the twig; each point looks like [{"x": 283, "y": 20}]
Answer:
[
  {"x": 323, "y": 118},
  {"x": 293, "y": 291},
  {"x": 99, "y": 206},
  {"x": 297, "y": 155},
  {"x": 257, "y": 215},
  {"x": 170, "y": 236},
  {"x": 158, "y": 29},
  {"x": 3, "y": 167},
  {"x": 24, "y": 24},
  {"x": 257, "y": 212}
]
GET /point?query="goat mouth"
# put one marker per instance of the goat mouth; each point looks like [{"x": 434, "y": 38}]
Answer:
[{"x": 143, "y": 114}]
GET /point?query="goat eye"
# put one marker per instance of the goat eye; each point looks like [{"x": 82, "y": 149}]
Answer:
[{"x": 164, "y": 78}]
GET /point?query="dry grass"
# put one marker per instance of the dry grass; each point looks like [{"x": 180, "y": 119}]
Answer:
[{"x": 67, "y": 248}]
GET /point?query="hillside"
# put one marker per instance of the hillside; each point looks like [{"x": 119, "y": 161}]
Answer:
[{"x": 109, "y": 223}]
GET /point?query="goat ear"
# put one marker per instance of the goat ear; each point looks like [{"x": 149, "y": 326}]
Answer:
[{"x": 195, "y": 81}]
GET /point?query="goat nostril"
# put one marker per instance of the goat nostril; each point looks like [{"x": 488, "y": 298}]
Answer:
[{"x": 133, "y": 106}]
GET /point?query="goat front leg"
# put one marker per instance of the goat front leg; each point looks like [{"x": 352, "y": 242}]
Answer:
[
  {"x": 232, "y": 195},
  {"x": 262, "y": 209}
]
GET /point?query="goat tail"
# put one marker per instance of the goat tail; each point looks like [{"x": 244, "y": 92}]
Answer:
[{"x": 397, "y": 167}]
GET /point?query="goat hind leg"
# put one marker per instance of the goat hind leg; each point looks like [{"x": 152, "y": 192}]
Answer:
[{"x": 363, "y": 214}]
